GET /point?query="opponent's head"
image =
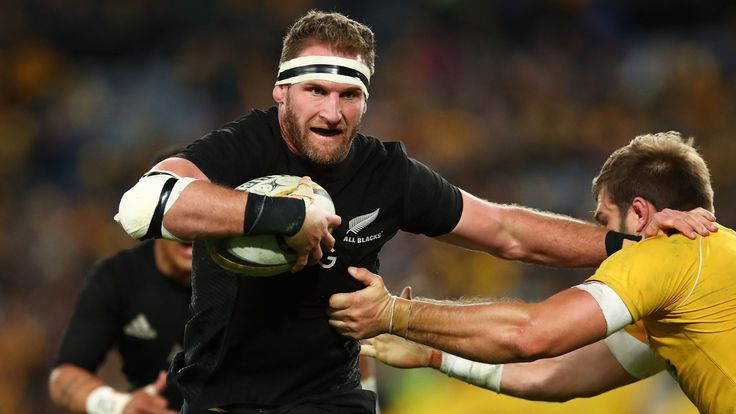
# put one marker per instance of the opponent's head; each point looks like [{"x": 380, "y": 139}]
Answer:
[
  {"x": 322, "y": 85},
  {"x": 652, "y": 172}
]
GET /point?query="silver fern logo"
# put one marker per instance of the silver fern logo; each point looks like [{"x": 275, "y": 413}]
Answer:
[{"x": 359, "y": 223}]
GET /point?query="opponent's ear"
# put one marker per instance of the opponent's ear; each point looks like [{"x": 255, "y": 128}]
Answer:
[
  {"x": 643, "y": 210},
  {"x": 279, "y": 93}
]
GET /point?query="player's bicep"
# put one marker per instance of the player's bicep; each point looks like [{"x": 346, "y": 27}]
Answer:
[{"x": 181, "y": 167}]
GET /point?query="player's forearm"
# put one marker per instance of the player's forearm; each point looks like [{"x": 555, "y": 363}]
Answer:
[
  {"x": 555, "y": 240},
  {"x": 69, "y": 387},
  {"x": 520, "y": 233},
  {"x": 206, "y": 210},
  {"x": 585, "y": 372},
  {"x": 493, "y": 333}
]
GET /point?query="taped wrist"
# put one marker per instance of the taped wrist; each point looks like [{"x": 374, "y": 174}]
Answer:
[
  {"x": 615, "y": 241},
  {"x": 105, "y": 400},
  {"x": 486, "y": 376},
  {"x": 273, "y": 215}
]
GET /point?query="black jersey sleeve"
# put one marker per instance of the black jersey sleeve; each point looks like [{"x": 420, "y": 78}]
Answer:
[
  {"x": 233, "y": 154},
  {"x": 432, "y": 206},
  {"x": 94, "y": 326}
]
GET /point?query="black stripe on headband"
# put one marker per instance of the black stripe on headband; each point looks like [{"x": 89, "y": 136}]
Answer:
[{"x": 323, "y": 68}]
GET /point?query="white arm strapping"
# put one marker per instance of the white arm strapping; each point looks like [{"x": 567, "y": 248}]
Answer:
[
  {"x": 486, "y": 376},
  {"x": 138, "y": 205},
  {"x": 634, "y": 355},
  {"x": 105, "y": 400},
  {"x": 614, "y": 310}
]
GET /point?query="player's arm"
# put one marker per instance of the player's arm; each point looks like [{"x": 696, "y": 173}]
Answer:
[
  {"x": 175, "y": 200},
  {"x": 497, "y": 332},
  {"x": 520, "y": 233},
  {"x": 77, "y": 390},
  {"x": 584, "y": 372}
]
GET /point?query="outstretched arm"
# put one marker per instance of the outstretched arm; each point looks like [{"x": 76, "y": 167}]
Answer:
[
  {"x": 497, "y": 332},
  {"x": 584, "y": 372},
  {"x": 521, "y": 233}
]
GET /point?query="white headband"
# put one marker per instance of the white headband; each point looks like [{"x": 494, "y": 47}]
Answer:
[{"x": 329, "y": 68}]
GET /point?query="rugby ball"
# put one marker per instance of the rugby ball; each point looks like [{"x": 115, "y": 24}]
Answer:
[{"x": 266, "y": 254}]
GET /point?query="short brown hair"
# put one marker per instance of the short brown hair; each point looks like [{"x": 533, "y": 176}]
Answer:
[
  {"x": 340, "y": 32},
  {"x": 663, "y": 168}
]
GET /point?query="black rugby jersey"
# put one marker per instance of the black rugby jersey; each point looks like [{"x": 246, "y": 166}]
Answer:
[
  {"x": 265, "y": 342},
  {"x": 128, "y": 303}
]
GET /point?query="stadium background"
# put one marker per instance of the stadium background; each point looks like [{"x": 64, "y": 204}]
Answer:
[{"x": 518, "y": 101}]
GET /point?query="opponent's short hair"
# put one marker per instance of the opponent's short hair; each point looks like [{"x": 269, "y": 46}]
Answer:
[
  {"x": 343, "y": 34},
  {"x": 663, "y": 168}
]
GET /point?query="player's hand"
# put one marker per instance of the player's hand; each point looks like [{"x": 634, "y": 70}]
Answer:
[
  {"x": 314, "y": 237},
  {"x": 361, "y": 314},
  {"x": 690, "y": 223},
  {"x": 396, "y": 351},
  {"x": 148, "y": 400}
]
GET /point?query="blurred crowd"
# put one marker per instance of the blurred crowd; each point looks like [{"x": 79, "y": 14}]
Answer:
[{"x": 515, "y": 101}]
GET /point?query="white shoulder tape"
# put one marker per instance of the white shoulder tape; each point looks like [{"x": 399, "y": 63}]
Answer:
[
  {"x": 614, "y": 310},
  {"x": 634, "y": 356}
]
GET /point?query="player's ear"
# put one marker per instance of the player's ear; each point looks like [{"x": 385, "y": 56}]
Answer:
[
  {"x": 643, "y": 210},
  {"x": 279, "y": 93}
]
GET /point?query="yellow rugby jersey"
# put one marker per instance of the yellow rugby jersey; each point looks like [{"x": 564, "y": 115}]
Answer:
[{"x": 685, "y": 293}]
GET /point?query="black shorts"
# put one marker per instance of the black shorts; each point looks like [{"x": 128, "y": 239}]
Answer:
[{"x": 355, "y": 401}]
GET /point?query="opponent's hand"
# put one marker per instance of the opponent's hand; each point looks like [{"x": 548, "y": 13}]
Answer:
[
  {"x": 690, "y": 223},
  {"x": 361, "y": 314},
  {"x": 396, "y": 351},
  {"x": 314, "y": 237},
  {"x": 148, "y": 400}
]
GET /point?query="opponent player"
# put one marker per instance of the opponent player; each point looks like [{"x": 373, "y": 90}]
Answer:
[
  {"x": 245, "y": 345},
  {"x": 138, "y": 302},
  {"x": 681, "y": 290}
]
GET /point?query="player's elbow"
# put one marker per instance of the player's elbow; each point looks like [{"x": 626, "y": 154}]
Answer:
[{"x": 529, "y": 343}]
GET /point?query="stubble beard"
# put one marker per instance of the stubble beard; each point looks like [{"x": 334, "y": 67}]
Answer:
[{"x": 299, "y": 138}]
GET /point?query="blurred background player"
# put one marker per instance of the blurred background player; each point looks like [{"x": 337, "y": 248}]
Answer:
[{"x": 138, "y": 302}]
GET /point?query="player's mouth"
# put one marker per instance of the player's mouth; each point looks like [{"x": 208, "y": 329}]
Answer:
[
  {"x": 187, "y": 248},
  {"x": 326, "y": 132}
]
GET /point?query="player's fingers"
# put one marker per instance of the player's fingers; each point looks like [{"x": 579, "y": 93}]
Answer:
[
  {"x": 363, "y": 275},
  {"x": 368, "y": 350},
  {"x": 333, "y": 220},
  {"x": 339, "y": 301},
  {"x": 301, "y": 261},
  {"x": 704, "y": 213},
  {"x": 327, "y": 242},
  {"x": 305, "y": 188},
  {"x": 160, "y": 384},
  {"x": 406, "y": 293},
  {"x": 315, "y": 255}
]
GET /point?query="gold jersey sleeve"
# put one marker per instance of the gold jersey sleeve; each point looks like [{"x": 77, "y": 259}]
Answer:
[{"x": 684, "y": 292}]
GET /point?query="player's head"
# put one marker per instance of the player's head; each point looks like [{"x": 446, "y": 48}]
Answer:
[
  {"x": 322, "y": 85},
  {"x": 174, "y": 259},
  {"x": 661, "y": 169}
]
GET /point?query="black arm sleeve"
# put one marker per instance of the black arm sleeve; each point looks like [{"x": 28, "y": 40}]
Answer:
[{"x": 94, "y": 326}]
